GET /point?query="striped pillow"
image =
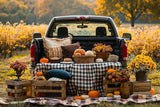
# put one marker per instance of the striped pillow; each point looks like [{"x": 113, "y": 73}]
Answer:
[
  {"x": 52, "y": 46},
  {"x": 54, "y": 52}
]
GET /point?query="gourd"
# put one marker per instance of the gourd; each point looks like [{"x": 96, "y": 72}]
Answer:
[
  {"x": 84, "y": 97},
  {"x": 81, "y": 51},
  {"x": 39, "y": 73},
  {"x": 44, "y": 60},
  {"x": 99, "y": 60},
  {"x": 116, "y": 92},
  {"x": 94, "y": 94},
  {"x": 110, "y": 77},
  {"x": 77, "y": 97},
  {"x": 111, "y": 70},
  {"x": 89, "y": 53},
  {"x": 113, "y": 80},
  {"x": 110, "y": 95},
  {"x": 153, "y": 92}
]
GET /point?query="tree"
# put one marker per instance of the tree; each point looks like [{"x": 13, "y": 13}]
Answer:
[
  {"x": 154, "y": 9},
  {"x": 131, "y": 9}
]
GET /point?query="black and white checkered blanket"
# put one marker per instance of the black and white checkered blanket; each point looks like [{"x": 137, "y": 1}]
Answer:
[{"x": 85, "y": 77}]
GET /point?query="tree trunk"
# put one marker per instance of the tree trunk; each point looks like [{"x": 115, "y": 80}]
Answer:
[{"x": 132, "y": 21}]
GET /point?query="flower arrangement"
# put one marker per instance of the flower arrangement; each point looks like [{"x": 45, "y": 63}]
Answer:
[
  {"x": 99, "y": 47},
  {"x": 117, "y": 76},
  {"x": 18, "y": 66},
  {"x": 141, "y": 63}
]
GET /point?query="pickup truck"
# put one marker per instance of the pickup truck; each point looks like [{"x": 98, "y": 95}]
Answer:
[{"x": 86, "y": 29}]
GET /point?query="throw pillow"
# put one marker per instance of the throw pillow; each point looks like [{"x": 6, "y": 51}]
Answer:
[
  {"x": 58, "y": 73},
  {"x": 52, "y": 46},
  {"x": 53, "y": 42},
  {"x": 68, "y": 50},
  {"x": 54, "y": 52}
]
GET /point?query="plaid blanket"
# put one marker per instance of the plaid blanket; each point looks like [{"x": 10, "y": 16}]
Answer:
[
  {"x": 135, "y": 98},
  {"x": 85, "y": 77}
]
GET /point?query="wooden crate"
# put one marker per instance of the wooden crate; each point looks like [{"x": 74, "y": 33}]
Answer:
[
  {"x": 140, "y": 87},
  {"x": 110, "y": 87},
  {"x": 18, "y": 90},
  {"x": 43, "y": 88}
]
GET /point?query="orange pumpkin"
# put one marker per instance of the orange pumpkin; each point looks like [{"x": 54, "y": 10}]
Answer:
[
  {"x": 44, "y": 60},
  {"x": 153, "y": 92},
  {"x": 39, "y": 73},
  {"x": 94, "y": 94},
  {"x": 113, "y": 80},
  {"x": 78, "y": 97},
  {"x": 110, "y": 70},
  {"x": 116, "y": 92},
  {"x": 81, "y": 51},
  {"x": 110, "y": 77}
]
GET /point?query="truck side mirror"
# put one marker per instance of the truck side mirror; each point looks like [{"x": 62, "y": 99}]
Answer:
[
  {"x": 127, "y": 36},
  {"x": 36, "y": 35}
]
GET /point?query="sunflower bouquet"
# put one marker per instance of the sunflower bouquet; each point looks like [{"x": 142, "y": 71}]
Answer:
[{"x": 141, "y": 63}]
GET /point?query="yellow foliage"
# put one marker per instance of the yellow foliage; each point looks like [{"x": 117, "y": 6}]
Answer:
[{"x": 18, "y": 35}]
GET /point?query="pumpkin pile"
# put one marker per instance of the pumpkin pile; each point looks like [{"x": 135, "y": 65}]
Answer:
[
  {"x": 91, "y": 94},
  {"x": 79, "y": 52},
  {"x": 115, "y": 94},
  {"x": 117, "y": 75}
]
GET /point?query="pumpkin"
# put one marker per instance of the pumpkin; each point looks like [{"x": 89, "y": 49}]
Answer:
[
  {"x": 113, "y": 80},
  {"x": 110, "y": 77},
  {"x": 94, "y": 94},
  {"x": 44, "y": 60},
  {"x": 39, "y": 73},
  {"x": 110, "y": 70},
  {"x": 77, "y": 97},
  {"x": 81, "y": 51},
  {"x": 153, "y": 92},
  {"x": 89, "y": 53},
  {"x": 84, "y": 97},
  {"x": 116, "y": 92},
  {"x": 110, "y": 95}
]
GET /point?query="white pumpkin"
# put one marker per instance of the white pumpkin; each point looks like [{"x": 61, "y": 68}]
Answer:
[{"x": 89, "y": 53}]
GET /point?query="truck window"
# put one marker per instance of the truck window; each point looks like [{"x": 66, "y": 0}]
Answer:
[{"x": 82, "y": 29}]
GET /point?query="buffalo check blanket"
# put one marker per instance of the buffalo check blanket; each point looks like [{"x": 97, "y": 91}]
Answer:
[{"x": 85, "y": 77}]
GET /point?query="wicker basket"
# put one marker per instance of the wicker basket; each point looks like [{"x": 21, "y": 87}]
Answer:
[
  {"x": 103, "y": 55},
  {"x": 84, "y": 59}
]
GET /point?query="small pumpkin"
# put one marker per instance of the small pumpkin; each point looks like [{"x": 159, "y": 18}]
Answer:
[
  {"x": 110, "y": 77},
  {"x": 78, "y": 97},
  {"x": 39, "y": 73},
  {"x": 110, "y": 95},
  {"x": 94, "y": 94},
  {"x": 111, "y": 70},
  {"x": 44, "y": 60},
  {"x": 116, "y": 92},
  {"x": 81, "y": 51},
  {"x": 152, "y": 92},
  {"x": 113, "y": 80},
  {"x": 89, "y": 53}
]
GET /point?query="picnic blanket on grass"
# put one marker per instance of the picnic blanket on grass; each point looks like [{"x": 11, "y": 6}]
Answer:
[
  {"x": 85, "y": 77},
  {"x": 135, "y": 98}
]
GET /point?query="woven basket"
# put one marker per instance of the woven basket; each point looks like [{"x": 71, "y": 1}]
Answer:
[
  {"x": 103, "y": 55},
  {"x": 84, "y": 59}
]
